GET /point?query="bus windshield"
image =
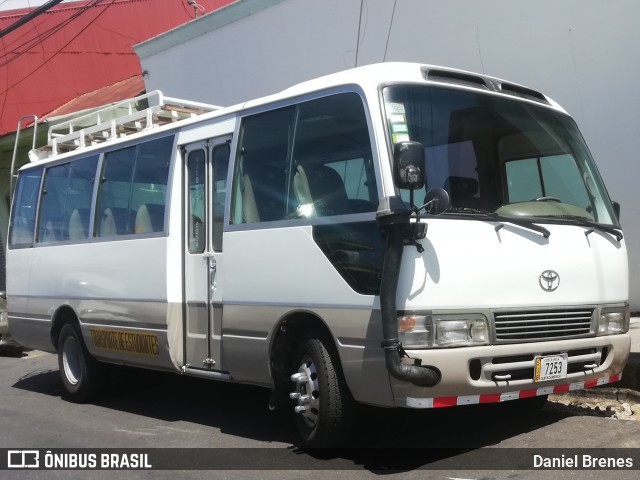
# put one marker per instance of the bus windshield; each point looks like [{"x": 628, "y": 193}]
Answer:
[{"x": 499, "y": 155}]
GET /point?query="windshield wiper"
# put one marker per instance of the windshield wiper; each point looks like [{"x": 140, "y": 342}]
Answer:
[
  {"x": 494, "y": 217},
  {"x": 590, "y": 225}
]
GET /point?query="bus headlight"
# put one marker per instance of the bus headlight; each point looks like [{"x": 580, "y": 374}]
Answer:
[
  {"x": 461, "y": 330},
  {"x": 613, "y": 320},
  {"x": 433, "y": 331}
]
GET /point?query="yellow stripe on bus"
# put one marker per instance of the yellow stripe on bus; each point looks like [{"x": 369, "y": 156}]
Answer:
[{"x": 123, "y": 341}]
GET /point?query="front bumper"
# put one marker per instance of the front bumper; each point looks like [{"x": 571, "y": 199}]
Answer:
[{"x": 469, "y": 373}]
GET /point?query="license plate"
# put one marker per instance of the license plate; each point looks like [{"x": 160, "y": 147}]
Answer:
[{"x": 550, "y": 368}]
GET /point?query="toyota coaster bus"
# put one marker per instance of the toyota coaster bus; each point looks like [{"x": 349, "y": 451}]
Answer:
[{"x": 398, "y": 235}]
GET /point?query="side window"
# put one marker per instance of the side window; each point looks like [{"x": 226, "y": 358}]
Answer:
[
  {"x": 332, "y": 162},
  {"x": 149, "y": 189},
  {"x": 220, "y": 156},
  {"x": 65, "y": 205},
  {"x": 260, "y": 187},
  {"x": 357, "y": 176},
  {"x": 52, "y": 204},
  {"x": 133, "y": 189},
  {"x": 79, "y": 198},
  {"x": 196, "y": 188},
  {"x": 23, "y": 213},
  {"x": 113, "y": 216},
  {"x": 319, "y": 164}
]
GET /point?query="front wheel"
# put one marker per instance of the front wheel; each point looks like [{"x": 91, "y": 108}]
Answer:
[
  {"x": 324, "y": 410},
  {"x": 80, "y": 372}
]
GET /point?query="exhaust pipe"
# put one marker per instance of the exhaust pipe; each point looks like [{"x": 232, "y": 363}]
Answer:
[{"x": 393, "y": 218}]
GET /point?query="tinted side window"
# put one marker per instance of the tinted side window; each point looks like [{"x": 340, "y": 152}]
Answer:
[
  {"x": 66, "y": 201},
  {"x": 23, "y": 214},
  {"x": 79, "y": 197},
  {"x": 133, "y": 189},
  {"x": 196, "y": 164},
  {"x": 311, "y": 159},
  {"x": 220, "y": 169},
  {"x": 52, "y": 204},
  {"x": 149, "y": 188},
  {"x": 113, "y": 216},
  {"x": 261, "y": 171},
  {"x": 331, "y": 160},
  {"x": 356, "y": 251}
]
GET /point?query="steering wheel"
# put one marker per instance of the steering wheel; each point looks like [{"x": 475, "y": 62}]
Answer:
[{"x": 548, "y": 199}]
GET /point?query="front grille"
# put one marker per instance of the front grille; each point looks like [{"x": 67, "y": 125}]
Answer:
[{"x": 538, "y": 325}]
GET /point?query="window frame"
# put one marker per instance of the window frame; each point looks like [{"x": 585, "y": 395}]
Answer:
[
  {"x": 96, "y": 158},
  {"x": 168, "y": 192},
  {"x": 93, "y": 208},
  {"x": 12, "y": 216},
  {"x": 288, "y": 103}
]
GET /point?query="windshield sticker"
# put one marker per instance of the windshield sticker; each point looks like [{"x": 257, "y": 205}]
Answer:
[
  {"x": 395, "y": 108},
  {"x": 398, "y": 122}
]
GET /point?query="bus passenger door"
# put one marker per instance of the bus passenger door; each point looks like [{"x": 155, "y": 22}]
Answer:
[{"x": 206, "y": 165}]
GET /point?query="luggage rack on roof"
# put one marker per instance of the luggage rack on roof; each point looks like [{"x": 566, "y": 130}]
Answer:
[{"x": 115, "y": 121}]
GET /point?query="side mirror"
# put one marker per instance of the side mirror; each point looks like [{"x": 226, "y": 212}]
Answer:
[
  {"x": 616, "y": 210},
  {"x": 408, "y": 165},
  {"x": 437, "y": 201}
]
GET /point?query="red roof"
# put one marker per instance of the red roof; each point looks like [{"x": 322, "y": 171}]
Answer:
[
  {"x": 128, "y": 88},
  {"x": 79, "y": 47}
]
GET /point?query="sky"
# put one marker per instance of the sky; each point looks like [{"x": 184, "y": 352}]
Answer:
[{"x": 15, "y": 4}]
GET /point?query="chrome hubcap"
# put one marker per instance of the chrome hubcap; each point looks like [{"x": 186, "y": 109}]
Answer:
[
  {"x": 71, "y": 360},
  {"x": 307, "y": 392}
]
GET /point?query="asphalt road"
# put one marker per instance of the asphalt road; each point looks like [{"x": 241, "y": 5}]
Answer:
[{"x": 233, "y": 427}]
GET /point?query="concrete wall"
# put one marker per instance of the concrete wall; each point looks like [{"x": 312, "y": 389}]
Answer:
[{"x": 583, "y": 53}]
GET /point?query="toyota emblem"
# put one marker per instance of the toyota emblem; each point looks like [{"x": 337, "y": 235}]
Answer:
[{"x": 549, "y": 280}]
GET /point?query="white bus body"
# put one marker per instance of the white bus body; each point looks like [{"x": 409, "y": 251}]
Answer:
[{"x": 247, "y": 244}]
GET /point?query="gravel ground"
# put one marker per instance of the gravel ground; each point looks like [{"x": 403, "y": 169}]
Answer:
[{"x": 613, "y": 403}]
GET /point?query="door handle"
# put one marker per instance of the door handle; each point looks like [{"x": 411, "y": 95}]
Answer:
[{"x": 211, "y": 259}]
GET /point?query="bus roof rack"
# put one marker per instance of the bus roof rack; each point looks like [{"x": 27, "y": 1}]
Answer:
[{"x": 144, "y": 112}]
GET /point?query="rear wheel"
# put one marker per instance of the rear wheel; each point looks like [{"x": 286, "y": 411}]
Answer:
[
  {"x": 324, "y": 407},
  {"x": 80, "y": 372}
]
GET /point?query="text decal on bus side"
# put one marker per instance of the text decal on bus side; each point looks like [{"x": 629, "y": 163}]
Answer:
[{"x": 122, "y": 341}]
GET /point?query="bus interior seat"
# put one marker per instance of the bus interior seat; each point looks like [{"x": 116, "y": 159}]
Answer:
[
  {"x": 115, "y": 221},
  {"x": 79, "y": 224},
  {"x": 149, "y": 218},
  {"x": 462, "y": 191},
  {"x": 264, "y": 192},
  {"x": 108, "y": 224},
  {"x": 249, "y": 207},
  {"x": 328, "y": 191}
]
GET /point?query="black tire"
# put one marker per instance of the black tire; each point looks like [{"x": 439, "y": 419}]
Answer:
[
  {"x": 326, "y": 421},
  {"x": 81, "y": 373}
]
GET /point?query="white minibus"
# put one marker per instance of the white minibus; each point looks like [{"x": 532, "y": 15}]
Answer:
[{"x": 398, "y": 235}]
